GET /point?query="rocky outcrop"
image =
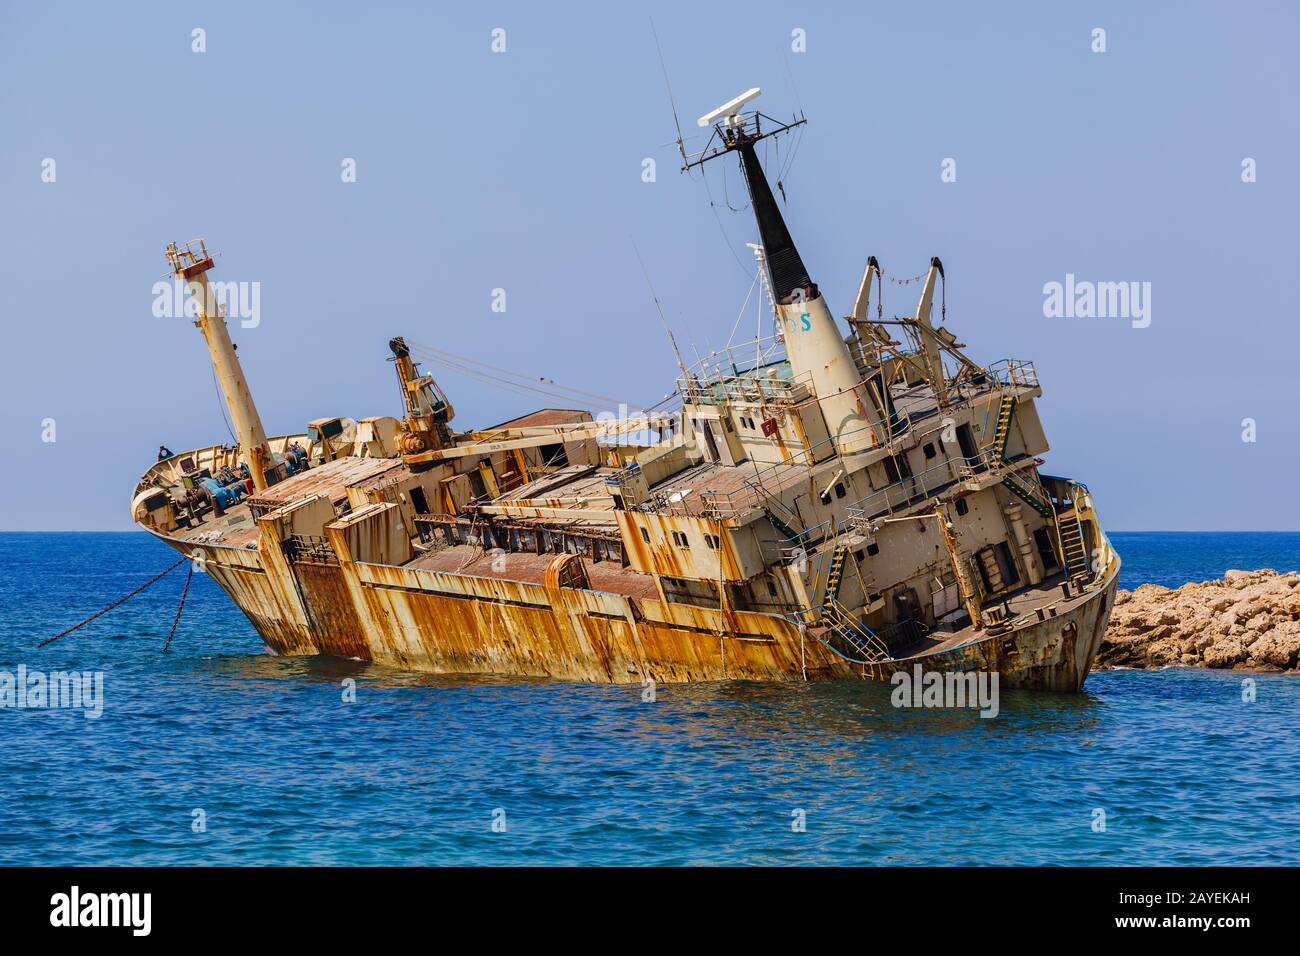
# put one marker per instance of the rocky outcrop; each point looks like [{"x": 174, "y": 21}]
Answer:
[{"x": 1249, "y": 620}]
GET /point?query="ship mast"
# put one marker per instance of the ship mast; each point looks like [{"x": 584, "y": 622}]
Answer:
[
  {"x": 191, "y": 264},
  {"x": 813, "y": 343}
]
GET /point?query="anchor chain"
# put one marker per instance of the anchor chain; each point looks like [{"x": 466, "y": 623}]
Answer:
[
  {"x": 180, "y": 607},
  {"x": 118, "y": 602}
]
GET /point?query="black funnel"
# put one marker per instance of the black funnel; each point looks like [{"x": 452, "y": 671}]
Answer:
[{"x": 787, "y": 269}]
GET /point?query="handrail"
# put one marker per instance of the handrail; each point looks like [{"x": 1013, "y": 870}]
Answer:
[
  {"x": 848, "y": 628},
  {"x": 920, "y": 486},
  {"x": 1011, "y": 371},
  {"x": 743, "y": 387}
]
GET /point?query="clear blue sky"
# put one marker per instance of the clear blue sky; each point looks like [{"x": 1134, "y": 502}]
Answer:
[{"x": 522, "y": 171}]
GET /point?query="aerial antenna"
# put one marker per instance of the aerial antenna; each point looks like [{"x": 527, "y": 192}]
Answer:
[
  {"x": 681, "y": 143},
  {"x": 662, "y": 318}
]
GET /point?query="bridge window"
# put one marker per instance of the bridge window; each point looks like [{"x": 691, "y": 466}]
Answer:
[
  {"x": 962, "y": 506},
  {"x": 645, "y": 535},
  {"x": 873, "y": 549}
]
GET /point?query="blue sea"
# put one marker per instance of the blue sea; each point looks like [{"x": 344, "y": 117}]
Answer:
[{"x": 217, "y": 753}]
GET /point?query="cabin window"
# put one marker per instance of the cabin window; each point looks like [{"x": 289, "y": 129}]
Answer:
[
  {"x": 645, "y": 535},
  {"x": 712, "y": 541},
  {"x": 840, "y": 491},
  {"x": 554, "y": 456},
  {"x": 679, "y": 539},
  {"x": 857, "y": 555},
  {"x": 929, "y": 450},
  {"x": 962, "y": 506},
  {"x": 873, "y": 549}
]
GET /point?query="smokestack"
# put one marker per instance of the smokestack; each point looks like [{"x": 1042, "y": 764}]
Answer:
[{"x": 813, "y": 342}]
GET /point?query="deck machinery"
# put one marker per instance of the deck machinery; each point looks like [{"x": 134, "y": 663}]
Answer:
[{"x": 822, "y": 506}]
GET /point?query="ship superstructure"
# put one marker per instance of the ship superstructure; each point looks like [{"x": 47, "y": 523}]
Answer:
[{"x": 822, "y": 505}]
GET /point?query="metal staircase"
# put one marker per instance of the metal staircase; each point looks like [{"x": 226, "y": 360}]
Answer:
[
  {"x": 841, "y": 633},
  {"x": 779, "y": 524},
  {"x": 1027, "y": 492},
  {"x": 1073, "y": 551},
  {"x": 834, "y": 574},
  {"x": 1002, "y": 431}
]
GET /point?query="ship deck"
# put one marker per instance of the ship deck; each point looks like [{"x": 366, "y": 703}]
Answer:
[
  {"x": 1045, "y": 596},
  {"x": 531, "y": 568}
]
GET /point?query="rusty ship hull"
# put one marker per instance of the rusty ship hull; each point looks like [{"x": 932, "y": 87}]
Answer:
[
  {"x": 483, "y": 622},
  {"x": 819, "y": 506}
]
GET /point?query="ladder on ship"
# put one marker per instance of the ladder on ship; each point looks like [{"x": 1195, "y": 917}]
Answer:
[
  {"x": 1073, "y": 550},
  {"x": 835, "y": 574},
  {"x": 779, "y": 523},
  {"x": 859, "y": 643},
  {"x": 782, "y": 518},
  {"x": 1002, "y": 432},
  {"x": 1029, "y": 493}
]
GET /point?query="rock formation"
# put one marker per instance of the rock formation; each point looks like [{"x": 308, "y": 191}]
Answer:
[{"x": 1249, "y": 620}]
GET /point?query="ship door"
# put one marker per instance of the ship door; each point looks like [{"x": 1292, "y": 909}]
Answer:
[
  {"x": 966, "y": 442},
  {"x": 907, "y": 606},
  {"x": 719, "y": 450}
]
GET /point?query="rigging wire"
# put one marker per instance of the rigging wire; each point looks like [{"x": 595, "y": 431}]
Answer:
[
  {"x": 221, "y": 404},
  {"x": 726, "y": 240},
  {"x": 472, "y": 366},
  {"x": 741, "y": 314},
  {"x": 517, "y": 388}
]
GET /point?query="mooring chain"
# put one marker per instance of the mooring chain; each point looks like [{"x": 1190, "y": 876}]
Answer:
[
  {"x": 180, "y": 607},
  {"x": 119, "y": 601}
]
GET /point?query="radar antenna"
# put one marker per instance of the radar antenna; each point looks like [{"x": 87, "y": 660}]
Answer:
[{"x": 734, "y": 128}]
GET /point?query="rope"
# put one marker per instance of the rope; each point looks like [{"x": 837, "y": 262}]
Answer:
[
  {"x": 189, "y": 577},
  {"x": 119, "y": 601}
]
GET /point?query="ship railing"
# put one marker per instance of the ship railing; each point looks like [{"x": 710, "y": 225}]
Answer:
[
  {"x": 902, "y": 634},
  {"x": 1013, "y": 372},
  {"x": 308, "y": 547},
  {"x": 841, "y": 633},
  {"x": 739, "y": 358},
  {"x": 916, "y": 488},
  {"x": 743, "y": 388}
]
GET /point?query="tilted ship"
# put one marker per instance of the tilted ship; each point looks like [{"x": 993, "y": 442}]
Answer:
[{"x": 822, "y": 506}]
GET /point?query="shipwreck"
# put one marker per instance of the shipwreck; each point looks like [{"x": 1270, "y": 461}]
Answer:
[{"x": 826, "y": 502}]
